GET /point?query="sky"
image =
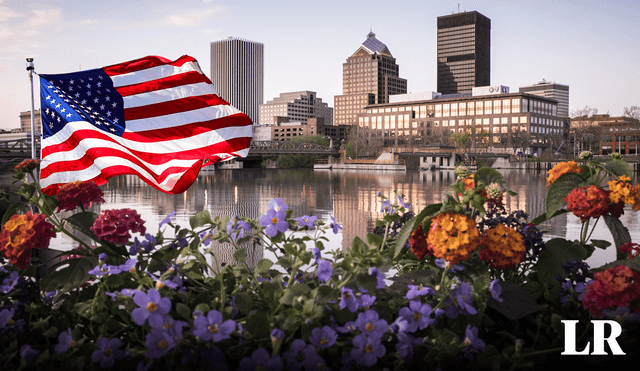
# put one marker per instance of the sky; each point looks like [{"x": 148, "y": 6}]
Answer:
[{"x": 592, "y": 46}]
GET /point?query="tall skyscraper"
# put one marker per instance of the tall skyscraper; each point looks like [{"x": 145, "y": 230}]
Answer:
[
  {"x": 464, "y": 52},
  {"x": 369, "y": 76},
  {"x": 237, "y": 72},
  {"x": 551, "y": 90}
]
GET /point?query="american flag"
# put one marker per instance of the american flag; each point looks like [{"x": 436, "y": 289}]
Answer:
[{"x": 151, "y": 117}]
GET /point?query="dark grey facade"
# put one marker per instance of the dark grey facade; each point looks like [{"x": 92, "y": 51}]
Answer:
[{"x": 464, "y": 52}]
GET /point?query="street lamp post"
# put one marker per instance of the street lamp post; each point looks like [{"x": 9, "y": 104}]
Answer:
[{"x": 31, "y": 68}]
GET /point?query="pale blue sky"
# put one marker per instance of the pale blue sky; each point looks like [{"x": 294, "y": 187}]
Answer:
[{"x": 592, "y": 46}]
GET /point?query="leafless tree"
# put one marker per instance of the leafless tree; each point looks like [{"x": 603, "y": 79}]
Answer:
[{"x": 584, "y": 129}]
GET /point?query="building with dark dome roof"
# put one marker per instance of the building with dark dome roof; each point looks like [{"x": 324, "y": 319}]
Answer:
[{"x": 369, "y": 76}]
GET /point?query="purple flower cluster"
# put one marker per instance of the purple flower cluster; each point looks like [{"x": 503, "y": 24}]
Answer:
[
  {"x": 575, "y": 283},
  {"x": 274, "y": 220}
]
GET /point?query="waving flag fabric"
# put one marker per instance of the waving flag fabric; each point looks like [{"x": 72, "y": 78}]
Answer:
[{"x": 151, "y": 117}]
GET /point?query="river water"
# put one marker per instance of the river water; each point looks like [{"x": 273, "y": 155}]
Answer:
[{"x": 349, "y": 196}]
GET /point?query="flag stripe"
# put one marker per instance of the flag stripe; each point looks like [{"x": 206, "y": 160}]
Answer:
[
  {"x": 185, "y": 78},
  {"x": 146, "y": 63},
  {"x": 201, "y": 115},
  {"x": 177, "y": 132},
  {"x": 167, "y": 95},
  {"x": 173, "y": 106}
]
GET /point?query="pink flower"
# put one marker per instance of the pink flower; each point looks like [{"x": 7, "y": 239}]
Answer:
[{"x": 113, "y": 226}]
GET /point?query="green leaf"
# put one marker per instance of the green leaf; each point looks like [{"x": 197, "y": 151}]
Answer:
[
  {"x": 366, "y": 281},
  {"x": 183, "y": 310},
  {"x": 401, "y": 282},
  {"x": 240, "y": 255},
  {"x": 258, "y": 325},
  {"x": 293, "y": 293},
  {"x": 358, "y": 247},
  {"x": 263, "y": 266},
  {"x": 52, "y": 332},
  {"x": 618, "y": 168},
  {"x": 244, "y": 302},
  {"x": 560, "y": 189},
  {"x": 487, "y": 175},
  {"x": 83, "y": 221},
  {"x": 517, "y": 301},
  {"x": 374, "y": 239},
  {"x": 11, "y": 211},
  {"x": 543, "y": 217},
  {"x": 557, "y": 252},
  {"x": 74, "y": 274},
  {"x": 619, "y": 232},
  {"x": 411, "y": 225},
  {"x": 325, "y": 294},
  {"x": 200, "y": 219},
  {"x": 601, "y": 244}
]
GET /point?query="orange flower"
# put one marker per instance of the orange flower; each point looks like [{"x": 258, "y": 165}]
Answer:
[
  {"x": 21, "y": 234},
  {"x": 561, "y": 169},
  {"x": 453, "y": 237},
  {"x": 623, "y": 190},
  {"x": 27, "y": 165},
  {"x": 588, "y": 202},
  {"x": 503, "y": 247},
  {"x": 469, "y": 182}
]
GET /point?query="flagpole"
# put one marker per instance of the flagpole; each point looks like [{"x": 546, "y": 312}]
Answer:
[{"x": 30, "y": 68}]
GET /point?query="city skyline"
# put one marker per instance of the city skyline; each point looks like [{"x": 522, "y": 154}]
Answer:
[{"x": 590, "y": 46}]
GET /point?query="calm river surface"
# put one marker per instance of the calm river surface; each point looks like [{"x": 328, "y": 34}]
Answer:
[{"x": 350, "y": 196}]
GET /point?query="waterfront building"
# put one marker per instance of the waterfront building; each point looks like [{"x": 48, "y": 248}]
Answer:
[
  {"x": 25, "y": 121},
  {"x": 603, "y": 134},
  {"x": 287, "y": 130},
  {"x": 237, "y": 72},
  {"x": 551, "y": 90},
  {"x": 495, "y": 119},
  {"x": 369, "y": 76},
  {"x": 296, "y": 106},
  {"x": 464, "y": 52}
]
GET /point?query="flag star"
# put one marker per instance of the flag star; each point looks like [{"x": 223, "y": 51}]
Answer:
[
  {"x": 56, "y": 91},
  {"x": 107, "y": 98},
  {"x": 115, "y": 120},
  {"x": 90, "y": 78},
  {"x": 46, "y": 111},
  {"x": 58, "y": 119},
  {"x": 63, "y": 110},
  {"x": 84, "y": 101},
  {"x": 50, "y": 86},
  {"x": 102, "y": 107},
  {"x": 114, "y": 104},
  {"x": 88, "y": 86},
  {"x": 89, "y": 93},
  {"x": 112, "y": 129},
  {"x": 100, "y": 77},
  {"x": 95, "y": 100},
  {"x": 53, "y": 101},
  {"x": 81, "y": 81},
  {"x": 50, "y": 126},
  {"x": 77, "y": 95},
  {"x": 48, "y": 97},
  {"x": 108, "y": 90},
  {"x": 108, "y": 113},
  {"x": 70, "y": 88},
  {"x": 69, "y": 114},
  {"x": 58, "y": 105},
  {"x": 70, "y": 81},
  {"x": 98, "y": 91},
  {"x": 53, "y": 114},
  {"x": 99, "y": 84}
]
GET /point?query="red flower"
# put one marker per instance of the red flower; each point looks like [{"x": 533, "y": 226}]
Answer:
[
  {"x": 588, "y": 202},
  {"x": 616, "y": 287},
  {"x": 21, "y": 234},
  {"x": 113, "y": 226},
  {"x": 418, "y": 243},
  {"x": 631, "y": 249},
  {"x": 71, "y": 195},
  {"x": 27, "y": 165}
]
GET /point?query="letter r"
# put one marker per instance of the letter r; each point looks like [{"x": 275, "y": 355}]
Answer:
[
  {"x": 599, "y": 339},
  {"x": 570, "y": 339}
]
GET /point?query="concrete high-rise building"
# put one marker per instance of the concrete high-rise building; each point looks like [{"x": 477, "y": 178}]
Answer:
[
  {"x": 369, "y": 76},
  {"x": 464, "y": 52},
  {"x": 237, "y": 72},
  {"x": 297, "y": 106},
  {"x": 551, "y": 90}
]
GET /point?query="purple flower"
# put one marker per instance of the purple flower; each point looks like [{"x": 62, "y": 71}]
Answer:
[
  {"x": 274, "y": 221},
  {"x": 102, "y": 270},
  {"x": 129, "y": 292},
  {"x": 621, "y": 314},
  {"x": 6, "y": 317},
  {"x": 371, "y": 325},
  {"x": 10, "y": 282},
  {"x": 307, "y": 221},
  {"x": 303, "y": 356},
  {"x": 463, "y": 294},
  {"x": 159, "y": 343},
  {"x": 65, "y": 340},
  {"x": 324, "y": 270},
  {"x": 366, "y": 301},
  {"x": 387, "y": 208},
  {"x": 128, "y": 266},
  {"x": 260, "y": 359},
  {"x": 367, "y": 350},
  {"x": 277, "y": 204},
  {"x": 334, "y": 225},
  {"x": 496, "y": 290},
  {"x": 28, "y": 353},
  {"x": 107, "y": 352},
  {"x": 348, "y": 300},
  {"x": 276, "y": 337},
  {"x": 349, "y": 327},
  {"x": 102, "y": 258},
  {"x": 472, "y": 342},
  {"x": 167, "y": 219},
  {"x": 373, "y": 271},
  {"x": 442, "y": 263},
  {"x": 160, "y": 283},
  {"x": 316, "y": 254},
  {"x": 417, "y": 315},
  {"x": 205, "y": 236},
  {"x": 150, "y": 305},
  {"x": 323, "y": 337},
  {"x": 419, "y": 290},
  {"x": 405, "y": 205},
  {"x": 212, "y": 327},
  {"x": 237, "y": 227}
]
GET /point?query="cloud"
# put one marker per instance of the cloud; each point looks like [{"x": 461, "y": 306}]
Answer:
[
  {"x": 191, "y": 18},
  {"x": 44, "y": 16}
]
